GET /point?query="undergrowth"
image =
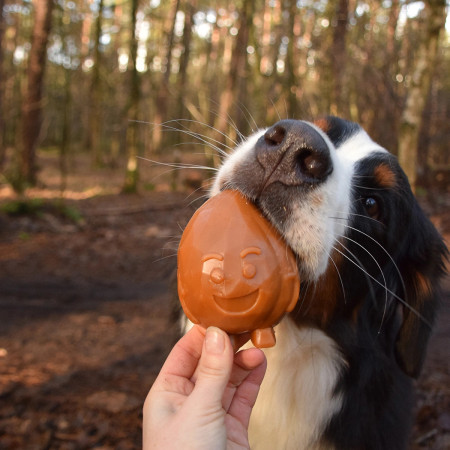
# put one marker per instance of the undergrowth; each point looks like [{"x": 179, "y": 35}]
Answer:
[{"x": 36, "y": 207}]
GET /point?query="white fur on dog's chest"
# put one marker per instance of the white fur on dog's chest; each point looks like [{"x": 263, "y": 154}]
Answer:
[{"x": 296, "y": 399}]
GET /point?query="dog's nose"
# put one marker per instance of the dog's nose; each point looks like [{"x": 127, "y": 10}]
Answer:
[{"x": 293, "y": 152}]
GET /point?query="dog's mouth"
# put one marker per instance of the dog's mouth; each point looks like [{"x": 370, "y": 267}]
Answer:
[{"x": 237, "y": 305}]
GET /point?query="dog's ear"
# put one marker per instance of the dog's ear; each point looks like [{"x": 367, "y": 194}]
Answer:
[{"x": 422, "y": 266}]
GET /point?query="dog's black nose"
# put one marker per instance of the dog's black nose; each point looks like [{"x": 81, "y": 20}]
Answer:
[{"x": 293, "y": 152}]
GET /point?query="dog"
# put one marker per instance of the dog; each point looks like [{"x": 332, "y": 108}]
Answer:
[{"x": 340, "y": 375}]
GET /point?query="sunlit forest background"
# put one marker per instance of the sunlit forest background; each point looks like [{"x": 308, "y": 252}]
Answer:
[
  {"x": 112, "y": 80},
  {"x": 113, "y": 116}
]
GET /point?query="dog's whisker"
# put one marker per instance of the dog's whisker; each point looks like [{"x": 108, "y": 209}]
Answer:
[
  {"x": 312, "y": 299},
  {"x": 357, "y": 262},
  {"x": 221, "y": 155},
  {"x": 168, "y": 244},
  {"x": 300, "y": 306},
  {"x": 340, "y": 278},
  {"x": 207, "y": 140},
  {"x": 313, "y": 295},
  {"x": 180, "y": 227},
  {"x": 388, "y": 255},
  {"x": 173, "y": 236},
  {"x": 382, "y": 274},
  {"x": 315, "y": 287},
  {"x": 369, "y": 187},
  {"x": 205, "y": 197},
  {"x": 248, "y": 116},
  {"x": 203, "y": 124},
  {"x": 402, "y": 301},
  {"x": 276, "y": 109},
  {"x": 195, "y": 191},
  {"x": 164, "y": 258},
  {"x": 173, "y": 248},
  {"x": 286, "y": 107},
  {"x": 179, "y": 166},
  {"x": 227, "y": 185},
  {"x": 355, "y": 215},
  {"x": 230, "y": 122}
]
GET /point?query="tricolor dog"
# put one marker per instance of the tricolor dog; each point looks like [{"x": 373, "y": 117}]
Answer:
[{"x": 370, "y": 261}]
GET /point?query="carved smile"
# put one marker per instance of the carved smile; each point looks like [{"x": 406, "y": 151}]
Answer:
[{"x": 237, "y": 304}]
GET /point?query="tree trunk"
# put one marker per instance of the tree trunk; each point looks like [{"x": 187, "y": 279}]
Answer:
[
  {"x": 420, "y": 85},
  {"x": 132, "y": 172},
  {"x": 264, "y": 66},
  {"x": 236, "y": 76},
  {"x": 94, "y": 145},
  {"x": 163, "y": 92},
  {"x": 386, "y": 129},
  {"x": 2, "y": 123},
  {"x": 391, "y": 28},
  {"x": 292, "y": 84},
  {"x": 217, "y": 67},
  {"x": 241, "y": 116},
  {"x": 339, "y": 100},
  {"x": 32, "y": 103},
  {"x": 190, "y": 10},
  {"x": 65, "y": 140}
]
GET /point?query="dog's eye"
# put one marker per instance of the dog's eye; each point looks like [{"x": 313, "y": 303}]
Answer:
[{"x": 372, "y": 207}]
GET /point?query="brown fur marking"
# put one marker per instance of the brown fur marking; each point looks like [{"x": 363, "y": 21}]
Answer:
[
  {"x": 323, "y": 124},
  {"x": 384, "y": 176}
]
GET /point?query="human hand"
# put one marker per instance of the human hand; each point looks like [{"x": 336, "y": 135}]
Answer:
[{"x": 204, "y": 394}]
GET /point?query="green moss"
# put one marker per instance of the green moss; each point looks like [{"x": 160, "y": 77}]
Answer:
[
  {"x": 23, "y": 207},
  {"x": 36, "y": 207}
]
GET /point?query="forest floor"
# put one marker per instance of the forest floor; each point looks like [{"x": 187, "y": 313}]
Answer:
[{"x": 85, "y": 306}]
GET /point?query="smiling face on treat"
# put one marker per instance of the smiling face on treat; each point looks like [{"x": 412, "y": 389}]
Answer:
[{"x": 234, "y": 271}]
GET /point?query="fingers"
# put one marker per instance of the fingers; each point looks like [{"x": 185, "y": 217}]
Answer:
[
  {"x": 214, "y": 370},
  {"x": 245, "y": 362},
  {"x": 249, "y": 358},
  {"x": 246, "y": 393},
  {"x": 182, "y": 360},
  {"x": 202, "y": 364}
]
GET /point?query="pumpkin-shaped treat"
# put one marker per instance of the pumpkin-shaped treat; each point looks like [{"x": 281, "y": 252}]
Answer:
[{"x": 235, "y": 271}]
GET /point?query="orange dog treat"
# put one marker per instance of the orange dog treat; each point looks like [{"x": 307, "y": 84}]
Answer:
[{"x": 235, "y": 271}]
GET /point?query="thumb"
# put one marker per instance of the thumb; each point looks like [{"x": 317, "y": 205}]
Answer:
[{"x": 214, "y": 368}]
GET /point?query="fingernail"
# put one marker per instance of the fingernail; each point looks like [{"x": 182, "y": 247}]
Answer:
[{"x": 214, "y": 341}]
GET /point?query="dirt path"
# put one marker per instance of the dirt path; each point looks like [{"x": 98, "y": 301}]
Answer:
[{"x": 84, "y": 326}]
